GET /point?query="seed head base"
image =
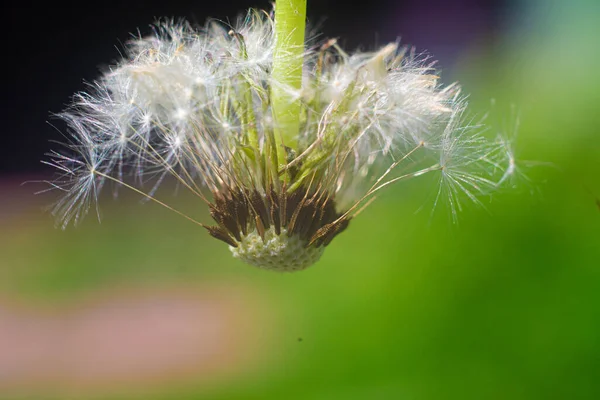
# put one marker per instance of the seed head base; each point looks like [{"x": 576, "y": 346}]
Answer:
[
  {"x": 277, "y": 252},
  {"x": 276, "y": 231}
]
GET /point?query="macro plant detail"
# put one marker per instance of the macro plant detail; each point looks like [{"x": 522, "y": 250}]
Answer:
[{"x": 291, "y": 137}]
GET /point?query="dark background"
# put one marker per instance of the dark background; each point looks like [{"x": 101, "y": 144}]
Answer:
[{"x": 51, "y": 48}]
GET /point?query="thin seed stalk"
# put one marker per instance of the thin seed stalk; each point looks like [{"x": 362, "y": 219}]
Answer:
[
  {"x": 247, "y": 112},
  {"x": 290, "y": 20}
]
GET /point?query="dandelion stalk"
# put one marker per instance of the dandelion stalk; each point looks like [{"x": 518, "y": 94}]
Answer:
[{"x": 290, "y": 20}]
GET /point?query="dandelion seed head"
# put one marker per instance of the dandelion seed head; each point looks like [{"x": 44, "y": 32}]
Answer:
[{"x": 196, "y": 105}]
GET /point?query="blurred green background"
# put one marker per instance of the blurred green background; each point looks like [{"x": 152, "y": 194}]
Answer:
[{"x": 504, "y": 305}]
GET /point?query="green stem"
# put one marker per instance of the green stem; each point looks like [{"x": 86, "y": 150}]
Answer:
[{"x": 290, "y": 20}]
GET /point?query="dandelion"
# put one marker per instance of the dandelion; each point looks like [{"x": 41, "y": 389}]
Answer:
[{"x": 292, "y": 138}]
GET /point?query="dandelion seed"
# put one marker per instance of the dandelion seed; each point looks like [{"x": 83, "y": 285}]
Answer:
[{"x": 291, "y": 140}]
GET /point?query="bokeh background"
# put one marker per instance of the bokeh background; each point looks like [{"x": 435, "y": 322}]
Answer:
[{"x": 404, "y": 305}]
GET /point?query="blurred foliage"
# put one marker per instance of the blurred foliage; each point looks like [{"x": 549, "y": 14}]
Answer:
[{"x": 402, "y": 305}]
